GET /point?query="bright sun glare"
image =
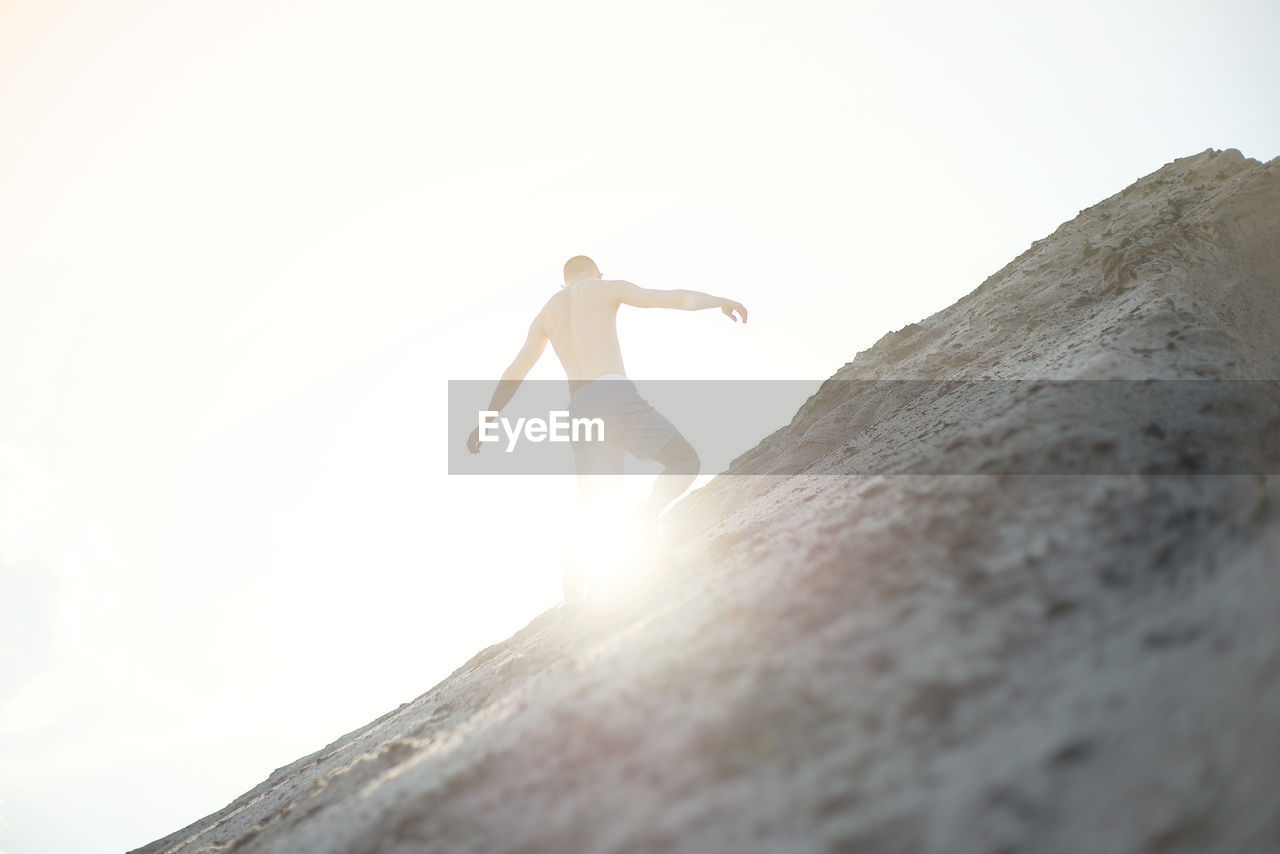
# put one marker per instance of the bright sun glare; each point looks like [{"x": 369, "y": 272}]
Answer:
[{"x": 612, "y": 547}]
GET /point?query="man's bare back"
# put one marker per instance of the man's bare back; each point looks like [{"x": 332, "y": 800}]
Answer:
[{"x": 581, "y": 323}]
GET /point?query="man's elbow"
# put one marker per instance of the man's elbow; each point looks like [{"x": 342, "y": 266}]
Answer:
[{"x": 518, "y": 370}]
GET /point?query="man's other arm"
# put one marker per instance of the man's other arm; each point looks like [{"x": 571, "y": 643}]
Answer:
[
  {"x": 680, "y": 299},
  {"x": 515, "y": 373}
]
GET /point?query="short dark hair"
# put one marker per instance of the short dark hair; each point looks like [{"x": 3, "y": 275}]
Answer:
[{"x": 579, "y": 266}]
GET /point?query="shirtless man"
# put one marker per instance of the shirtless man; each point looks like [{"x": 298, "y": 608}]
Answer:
[{"x": 580, "y": 323}]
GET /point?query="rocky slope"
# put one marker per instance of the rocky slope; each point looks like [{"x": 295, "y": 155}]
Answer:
[{"x": 989, "y": 661}]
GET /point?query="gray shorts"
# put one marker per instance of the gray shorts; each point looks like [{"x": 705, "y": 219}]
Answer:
[{"x": 630, "y": 425}]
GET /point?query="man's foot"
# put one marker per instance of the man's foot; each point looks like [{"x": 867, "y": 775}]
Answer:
[{"x": 651, "y": 541}]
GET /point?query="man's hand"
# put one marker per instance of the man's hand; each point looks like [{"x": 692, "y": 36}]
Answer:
[
  {"x": 729, "y": 307},
  {"x": 473, "y": 441}
]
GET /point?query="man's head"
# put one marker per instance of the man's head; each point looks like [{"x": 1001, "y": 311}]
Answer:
[{"x": 580, "y": 267}]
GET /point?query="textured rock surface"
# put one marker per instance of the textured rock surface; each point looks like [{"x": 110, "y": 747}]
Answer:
[{"x": 979, "y": 663}]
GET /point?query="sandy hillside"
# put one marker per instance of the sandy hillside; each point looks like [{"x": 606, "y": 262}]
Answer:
[{"x": 1068, "y": 642}]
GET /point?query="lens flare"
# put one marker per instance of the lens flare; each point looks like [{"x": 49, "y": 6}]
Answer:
[{"x": 612, "y": 546}]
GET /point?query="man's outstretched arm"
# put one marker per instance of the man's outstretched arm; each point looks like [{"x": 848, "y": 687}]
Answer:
[
  {"x": 513, "y": 376},
  {"x": 680, "y": 299}
]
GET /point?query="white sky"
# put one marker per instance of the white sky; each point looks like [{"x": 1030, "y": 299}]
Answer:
[{"x": 244, "y": 245}]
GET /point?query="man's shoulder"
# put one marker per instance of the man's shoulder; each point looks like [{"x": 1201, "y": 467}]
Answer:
[
  {"x": 548, "y": 310},
  {"x": 594, "y": 291},
  {"x": 616, "y": 288}
]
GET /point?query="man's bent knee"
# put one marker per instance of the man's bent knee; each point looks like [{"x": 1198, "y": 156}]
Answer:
[{"x": 679, "y": 457}]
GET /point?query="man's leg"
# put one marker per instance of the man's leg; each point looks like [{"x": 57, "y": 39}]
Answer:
[
  {"x": 680, "y": 467},
  {"x": 594, "y": 491}
]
